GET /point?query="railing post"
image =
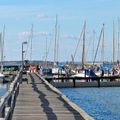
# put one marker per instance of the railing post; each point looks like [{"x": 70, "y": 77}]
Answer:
[
  {"x": 20, "y": 76},
  {"x": 8, "y": 108},
  {"x": 8, "y": 101},
  {"x": 74, "y": 85},
  {"x": 2, "y": 113}
]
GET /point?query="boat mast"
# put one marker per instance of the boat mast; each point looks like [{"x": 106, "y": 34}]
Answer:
[
  {"x": 46, "y": 52},
  {"x": 2, "y": 47},
  {"x": 1, "y": 43},
  {"x": 113, "y": 52},
  {"x": 118, "y": 38},
  {"x": 93, "y": 45},
  {"x": 74, "y": 55},
  {"x": 102, "y": 50},
  {"x": 31, "y": 38},
  {"x": 83, "y": 49},
  {"x": 55, "y": 45},
  {"x": 58, "y": 42},
  {"x": 98, "y": 45}
]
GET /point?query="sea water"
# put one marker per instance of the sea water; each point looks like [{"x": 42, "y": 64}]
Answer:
[
  {"x": 3, "y": 89},
  {"x": 100, "y": 103}
]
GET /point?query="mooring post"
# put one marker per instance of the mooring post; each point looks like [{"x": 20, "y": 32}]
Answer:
[
  {"x": 98, "y": 82},
  {"x": 74, "y": 85}
]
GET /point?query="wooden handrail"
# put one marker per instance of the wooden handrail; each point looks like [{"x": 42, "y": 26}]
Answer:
[{"x": 8, "y": 100}]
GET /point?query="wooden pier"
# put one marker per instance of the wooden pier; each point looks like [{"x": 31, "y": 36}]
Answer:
[
  {"x": 98, "y": 79},
  {"x": 34, "y": 98},
  {"x": 37, "y": 101}
]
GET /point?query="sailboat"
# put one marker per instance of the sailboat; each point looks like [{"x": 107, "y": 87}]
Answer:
[
  {"x": 84, "y": 72},
  {"x": 57, "y": 68},
  {"x": 105, "y": 67},
  {"x": 116, "y": 66}
]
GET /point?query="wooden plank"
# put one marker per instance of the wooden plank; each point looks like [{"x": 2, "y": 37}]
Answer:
[{"x": 36, "y": 101}]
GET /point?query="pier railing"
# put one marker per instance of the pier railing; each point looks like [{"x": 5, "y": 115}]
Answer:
[{"x": 7, "y": 102}]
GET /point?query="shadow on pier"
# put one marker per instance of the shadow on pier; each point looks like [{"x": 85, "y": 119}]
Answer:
[
  {"x": 45, "y": 102},
  {"x": 37, "y": 101}
]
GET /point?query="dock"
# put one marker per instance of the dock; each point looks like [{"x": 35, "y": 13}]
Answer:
[
  {"x": 98, "y": 81},
  {"x": 32, "y": 97},
  {"x": 38, "y": 101}
]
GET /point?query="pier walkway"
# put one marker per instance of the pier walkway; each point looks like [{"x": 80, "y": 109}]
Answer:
[{"x": 37, "y": 101}]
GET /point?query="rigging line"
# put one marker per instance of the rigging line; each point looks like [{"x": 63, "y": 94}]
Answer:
[
  {"x": 78, "y": 44},
  {"x": 98, "y": 46},
  {"x": 93, "y": 45},
  {"x": 46, "y": 51},
  {"x": 1, "y": 62},
  {"x": 88, "y": 46},
  {"x": 49, "y": 46}
]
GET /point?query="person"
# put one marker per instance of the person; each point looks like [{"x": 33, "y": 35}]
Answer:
[{"x": 113, "y": 71}]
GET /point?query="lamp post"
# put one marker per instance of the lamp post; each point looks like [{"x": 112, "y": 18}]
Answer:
[{"x": 23, "y": 53}]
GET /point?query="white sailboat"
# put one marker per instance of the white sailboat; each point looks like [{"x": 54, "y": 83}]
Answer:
[
  {"x": 82, "y": 72},
  {"x": 57, "y": 69}
]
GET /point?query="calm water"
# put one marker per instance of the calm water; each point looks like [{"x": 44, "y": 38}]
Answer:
[
  {"x": 101, "y": 103},
  {"x": 3, "y": 89}
]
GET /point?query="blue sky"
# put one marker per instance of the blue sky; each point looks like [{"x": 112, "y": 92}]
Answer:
[{"x": 18, "y": 15}]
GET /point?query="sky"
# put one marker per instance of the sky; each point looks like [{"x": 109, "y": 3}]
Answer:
[{"x": 19, "y": 15}]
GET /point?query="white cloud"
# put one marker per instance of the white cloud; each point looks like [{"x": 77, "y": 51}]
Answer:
[
  {"x": 42, "y": 16},
  {"x": 28, "y": 33},
  {"x": 65, "y": 36}
]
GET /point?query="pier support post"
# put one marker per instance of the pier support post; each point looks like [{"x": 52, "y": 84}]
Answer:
[
  {"x": 98, "y": 82},
  {"x": 74, "y": 85}
]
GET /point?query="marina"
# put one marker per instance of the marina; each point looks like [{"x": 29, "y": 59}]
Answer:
[
  {"x": 18, "y": 101},
  {"x": 33, "y": 93},
  {"x": 36, "y": 100},
  {"x": 59, "y": 60}
]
